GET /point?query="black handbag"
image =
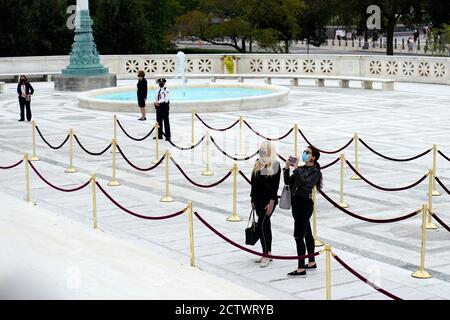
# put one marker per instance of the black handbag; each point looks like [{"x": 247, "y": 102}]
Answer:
[{"x": 251, "y": 234}]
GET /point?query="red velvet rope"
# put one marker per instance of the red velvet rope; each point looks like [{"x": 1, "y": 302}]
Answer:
[
  {"x": 136, "y": 167},
  {"x": 443, "y": 155},
  {"x": 324, "y": 151},
  {"x": 48, "y": 143},
  {"x": 215, "y": 129},
  {"x": 394, "y": 159},
  {"x": 332, "y": 163},
  {"x": 245, "y": 177},
  {"x": 442, "y": 223},
  {"x": 133, "y": 138},
  {"x": 136, "y": 214},
  {"x": 84, "y": 185},
  {"x": 12, "y": 166},
  {"x": 442, "y": 185},
  {"x": 186, "y": 148},
  {"x": 249, "y": 250},
  {"x": 384, "y": 188},
  {"x": 267, "y": 138},
  {"x": 198, "y": 184},
  {"x": 369, "y": 283},
  {"x": 354, "y": 215},
  {"x": 231, "y": 157},
  {"x": 90, "y": 152}
]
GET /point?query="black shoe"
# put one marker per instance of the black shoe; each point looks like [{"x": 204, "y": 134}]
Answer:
[
  {"x": 154, "y": 138},
  {"x": 20, "y": 120},
  {"x": 297, "y": 274},
  {"x": 168, "y": 139},
  {"x": 142, "y": 119},
  {"x": 313, "y": 267}
]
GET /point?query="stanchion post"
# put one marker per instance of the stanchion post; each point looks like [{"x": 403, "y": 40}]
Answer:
[
  {"x": 114, "y": 130},
  {"x": 317, "y": 242},
  {"x": 241, "y": 127},
  {"x": 355, "y": 141},
  {"x": 422, "y": 273},
  {"x": 27, "y": 180},
  {"x": 71, "y": 168},
  {"x": 296, "y": 140},
  {"x": 191, "y": 233},
  {"x": 234, "y": 216},
  {"x": 156, "y": 143},
  {"x": 167, "y": 197},
  {"x": 435, "y": 192},
  {"x": 207, "y": 171},
  {"x": 34, "y": 157},
  {"x": 342, "y": 204},
  {"x": 430, "y": 224},
  {"x": 328, "y": 271},
  {"x": 94, "y": 200},
  {"x": 114, "y": 182},
  {"x": 193, "y": 127}
]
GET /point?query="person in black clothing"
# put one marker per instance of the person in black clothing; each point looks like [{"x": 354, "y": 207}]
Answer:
[
  {"x": 25, "y": 91},
  {"x": 142, "y": 94},
  {"x": 265, "y": 181},
  {"x": 162, "y": 106},
  {"x": 301, "y": 182}
]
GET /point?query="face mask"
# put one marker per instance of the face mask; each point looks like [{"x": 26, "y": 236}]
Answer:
[
  {"x": 305, "y": 157},
  {"x": 22, "y": 80},
  {"x": 161, "y": 85}
]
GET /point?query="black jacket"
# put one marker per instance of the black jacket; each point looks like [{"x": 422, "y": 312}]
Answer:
[
  {"x": 142, "y": 89},
  {"x": 28, "y": 89},
  {"x": 265, "y": 187},
  {"x": 302, "y": 180}
]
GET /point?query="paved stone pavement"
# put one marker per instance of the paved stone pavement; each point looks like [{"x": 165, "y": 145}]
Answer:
[{"x": 399, "y": 124}]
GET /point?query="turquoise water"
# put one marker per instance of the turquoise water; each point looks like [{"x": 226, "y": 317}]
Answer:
[{"x": 176, "y": 94}]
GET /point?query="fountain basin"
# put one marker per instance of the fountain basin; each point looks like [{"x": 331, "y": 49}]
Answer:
[{"x": 209, "y": 97}]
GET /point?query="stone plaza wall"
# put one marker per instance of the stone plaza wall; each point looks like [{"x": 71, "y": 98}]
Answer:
[{"x": 400, "y": 68}]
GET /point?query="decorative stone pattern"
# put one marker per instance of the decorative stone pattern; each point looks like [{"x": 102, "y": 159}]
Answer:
[
  {"x": 408, "y": 68},
  {"x": 326, "y": 66},
  {"x": 274, "y": 65},
  {"x": 392, "y": 67},
  {"x": 168, "y": 65},
  {"x": 424, "y": 69},
  {"x": 439, "y": 70},
  {"x": 309, "y": 66},
  {"x": 204, "y": 65},
  {"x": 150, "y": 66},
  {"x": 132, "y": 66},
  {"x": 375, "y": 67},
  {"x": 256, "y": 65},
  {"x": 291, "y": 65},
  {"x": 189, "y": 66}
]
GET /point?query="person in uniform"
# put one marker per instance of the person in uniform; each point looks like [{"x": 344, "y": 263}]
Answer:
[{"x": 162, "y": 102}]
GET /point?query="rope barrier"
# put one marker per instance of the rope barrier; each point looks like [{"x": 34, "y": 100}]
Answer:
[
  {"x": 185, "y": 148},
  {"x": 442, "y": 223},
  {"x": 354, "y": 215},
  {"x": 215, "y": 129},
  {"x": 89, "y": 152},
  {"x": 253, "y": 251},
  {"x": 325, "y": 151},
  {"x": 136, "y": 167},
  {"x": 394, "y": 159},
  {"x": 133, "y": 138},
  {"x": 231, "y": 157},
  {"x": 84, "y": 185},
  {"x": 384, "y": 188},
  {"x": 48, "y": 143},
  {"x": 197, "y": 184},
  {"x": 267, "y": 138},
  {"x": 332, "y": 163},
  {"x": 360, "y": 277},
  {"x": 136, "y": 214},
  {"x": 442, "y": 185},
  {"x": 443, "y": 155},
  {"x": 11, "y": 166},
  {"x": 245, "y": 177},
  {"x": 281, "y": 157}
]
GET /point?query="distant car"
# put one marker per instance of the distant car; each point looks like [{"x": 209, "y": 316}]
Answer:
[{"x": 340, "y": 34}]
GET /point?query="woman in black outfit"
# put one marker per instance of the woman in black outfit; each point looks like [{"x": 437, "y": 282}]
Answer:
[
  {"x": 301, "y": 183},
  {"x": 142, "y": 94},
  {"x": 265, "y": 181},
  {"x": 25, "y": 91}
]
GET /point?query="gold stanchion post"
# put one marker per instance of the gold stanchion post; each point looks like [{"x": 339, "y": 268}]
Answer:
[
  {"x": 430, "y": 224},
  {"x": 71, "y": 168},
  {"x": 114, "y": 130},
  {"x": 435, "y": 192},
  {"x": 422, "y": 273},
  {"x": 328, "y": 271},
  {"x": 94, "y": 200},
  {"x": 234, "y": 216},
  {"x": 34, "y": 157},
  {"x": 241, "y": 127},
  {"x": 317, "y": 242},
  {"x": 341, "y": 183},
  {"x": 167, "y": 197},
  {"x": 156, "y": 143},
  {"x": 193, "y": 127},
  {"x": 27, "y": 181},
  {"x": 296, "y": 140},
  {"x": 207, "y": 171},
  {"x": 114, "y": 182},
  {"x": 191, "y": 233},
  {"x": 355, "y": 141}
]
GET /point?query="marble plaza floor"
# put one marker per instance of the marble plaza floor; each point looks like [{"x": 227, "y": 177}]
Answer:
[{"x": 399, "y": 124}]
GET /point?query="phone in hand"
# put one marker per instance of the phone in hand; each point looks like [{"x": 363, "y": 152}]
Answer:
[{"x": 293, "y": 160}]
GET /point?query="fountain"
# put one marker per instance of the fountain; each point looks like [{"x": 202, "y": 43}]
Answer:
[{"x": 180, "y": 70}]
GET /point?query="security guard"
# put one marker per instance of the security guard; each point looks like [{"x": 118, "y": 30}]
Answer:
[{"x": 162, "y": 109}]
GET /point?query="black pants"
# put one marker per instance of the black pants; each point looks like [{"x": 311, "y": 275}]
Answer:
[
  {"x": 24, "y": 104},
  {"x": 162, "y": 115},
  {"x": 264, "y": 229},
  {"x": 302, "y": 209}
]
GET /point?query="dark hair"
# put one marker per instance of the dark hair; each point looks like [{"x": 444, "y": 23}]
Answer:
[
  {"x": 316, "y": 154},
  {"x": 141, "y": 73},
  {"x": 23, "y": 77}
]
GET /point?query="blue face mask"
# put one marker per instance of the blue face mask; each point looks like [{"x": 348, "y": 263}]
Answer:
[{"x": 305, "y": 157}]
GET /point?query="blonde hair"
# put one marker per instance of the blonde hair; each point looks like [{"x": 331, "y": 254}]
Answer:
[{"x": 271, "y": 159}]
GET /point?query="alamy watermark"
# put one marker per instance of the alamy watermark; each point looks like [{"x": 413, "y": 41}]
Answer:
[{"x": 374, "y": 21}]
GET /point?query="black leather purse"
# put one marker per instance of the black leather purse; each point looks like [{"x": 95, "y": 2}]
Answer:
[{"x": 251, "y": 234}]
